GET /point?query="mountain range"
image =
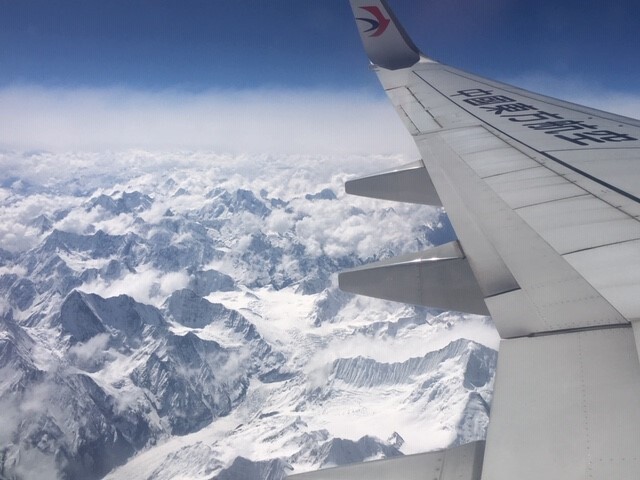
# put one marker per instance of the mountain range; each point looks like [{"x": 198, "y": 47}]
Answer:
[{"x": 177, "y": 316}]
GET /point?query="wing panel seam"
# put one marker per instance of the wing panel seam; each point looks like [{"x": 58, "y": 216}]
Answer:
[
  {"x": 587, "y": 194},
  {"x": 586, "y": 249},
  {"x": 404, "y": 112},
  {"x": 423, "y": 107},
  {"x": 512, "y": 171}
]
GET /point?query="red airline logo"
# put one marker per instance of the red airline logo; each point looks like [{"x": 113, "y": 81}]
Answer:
[{"x": 379, "y": 25}]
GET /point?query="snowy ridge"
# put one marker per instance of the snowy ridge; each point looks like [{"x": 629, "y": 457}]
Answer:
[
  {"x": 365, "y": 372},
  {"x": 172, "y": 316}
]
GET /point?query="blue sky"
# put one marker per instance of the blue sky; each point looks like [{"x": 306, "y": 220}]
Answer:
[
  {"x": 196, "y": 45},
  {"x": 280, "y": 76}
]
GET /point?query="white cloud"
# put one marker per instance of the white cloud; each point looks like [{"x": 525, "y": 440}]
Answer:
[
  {"x": 274, "y": 121},
  {"x": 146, "y": 286},
  {"x": 280, "y": 222},
  {"x": 92, "y": 351},
  {"x": 173, "y": 281},
  {"x": 18, "y": 270},
  {"x": 266, "y": 121},
  {"x": 18, "y": 212},
  {"x": 35, "y": 465}
]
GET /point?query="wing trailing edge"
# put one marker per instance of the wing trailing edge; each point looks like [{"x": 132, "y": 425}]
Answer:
[
  {"x": 409, "y": 183},
  {"x": 439, "y": 277},
  {"x": 457, "y": 463}
]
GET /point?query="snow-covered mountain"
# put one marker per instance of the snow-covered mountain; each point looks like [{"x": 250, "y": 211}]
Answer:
[{"x": 177, "y": 316}]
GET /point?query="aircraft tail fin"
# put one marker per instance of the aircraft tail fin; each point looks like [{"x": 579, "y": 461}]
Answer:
[{"x": 385, "y": 41}]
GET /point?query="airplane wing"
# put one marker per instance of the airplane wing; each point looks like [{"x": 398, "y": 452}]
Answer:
[{"x": 544, "y": 197}]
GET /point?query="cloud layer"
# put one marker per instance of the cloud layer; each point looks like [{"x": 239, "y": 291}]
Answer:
[
  {"x": 265, "y": 121},
  {"x": 235, "y": 121}
]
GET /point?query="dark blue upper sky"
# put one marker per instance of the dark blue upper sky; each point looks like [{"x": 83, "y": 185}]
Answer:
[{"x": 198, "y": 45}]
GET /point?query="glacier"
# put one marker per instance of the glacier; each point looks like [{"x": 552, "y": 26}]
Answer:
[{"x": 176, "y": 315}]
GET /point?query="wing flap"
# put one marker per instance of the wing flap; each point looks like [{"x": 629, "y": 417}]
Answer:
[
  {"x": 439, "y": 277},
  {"x": 571, "y": 410},
  {"x": 457, "y": 463},
  {"x": 409, "y": 183}
]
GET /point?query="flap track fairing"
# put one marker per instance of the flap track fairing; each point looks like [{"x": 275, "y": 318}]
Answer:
[
  {"x": 439, "y": 277},
  {"x": 410, "y": 183}
]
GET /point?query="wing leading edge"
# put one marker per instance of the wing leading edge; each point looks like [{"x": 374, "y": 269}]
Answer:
[{"x": 544, "y": 197}]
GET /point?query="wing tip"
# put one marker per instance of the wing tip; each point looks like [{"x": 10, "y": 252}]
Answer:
[{"x": 385, "y": 40}]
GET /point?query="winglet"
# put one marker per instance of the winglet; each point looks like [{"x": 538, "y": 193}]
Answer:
[{"x": 385, "y": 41}]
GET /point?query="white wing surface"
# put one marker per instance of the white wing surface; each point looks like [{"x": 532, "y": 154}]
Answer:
[{"x": 544, "y": 197}]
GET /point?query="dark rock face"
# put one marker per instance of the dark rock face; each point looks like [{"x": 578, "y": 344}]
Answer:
[
  {"x": 187, "y": 382},
  {"x": 187, "y": 308},
  {"x": 181, "y": 374},
  {"x": 22, "y": 293},
  {"x": 42, "y": 223},
  {"x": 205, "y": 282},
  {"x": 442, "y": 232},
  {"x": 78, "y": 320},
  {"x": 108, "y": 436},
  {"x": 474, "y": 419},
  {"x": 105, "y": 432},
  {"x": 5, "y": 256},
  {"x": 481, "y": 364},
  {"x": 82, "y": 316},
  {"x": 395, "y": 440},
  {"x": 191, "y": 310},
  {"x": 326, "y": 194},
  {"x": 16, "y": 365}
]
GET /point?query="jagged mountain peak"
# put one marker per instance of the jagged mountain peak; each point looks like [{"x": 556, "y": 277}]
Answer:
[
  {"x": 204, "y": 282},
  {"x": 324, "y": 194},
  {"x": 42, "y": 222},
  {"x": 189, "y": 309},
  {"x": 84, "y": 315},
  {"x": 244, "y": 469},
  {"x": 16, "y": 346},
  {"x": 240, "y": 200},
  {"x": 127, "y": 202},
  {"x": 396, "y": 440},
  {"x": 340, "y": 451},
  {"x": 98, "y": 244}
]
